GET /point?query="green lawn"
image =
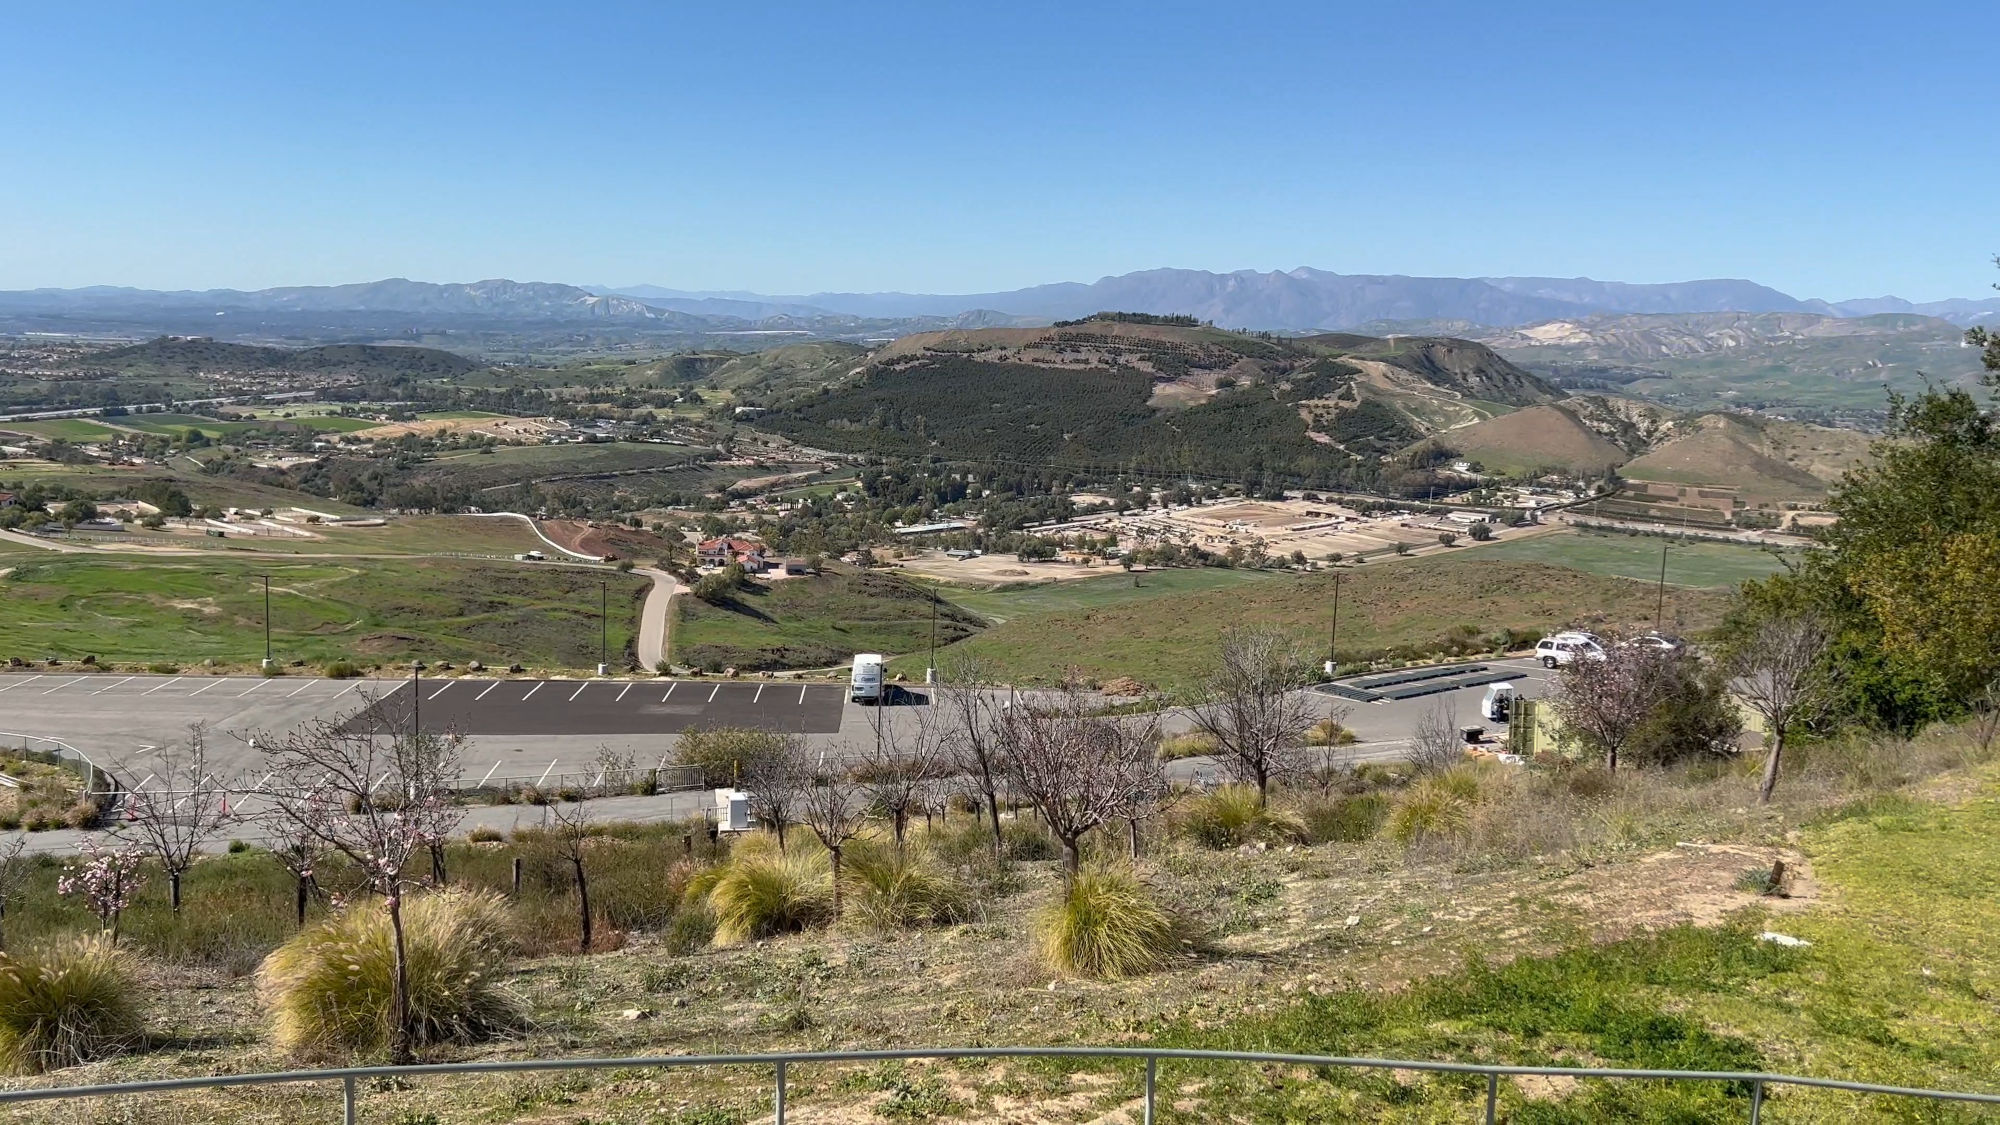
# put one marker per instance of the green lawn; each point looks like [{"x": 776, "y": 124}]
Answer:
[
  {"x": 130, "y": 609},
  {"x": 813, "y": 622},
  {"x": 1697, "y": 563},
  {"x": 1459, "y": 600},
  {"x": 1004, "y": 603}
]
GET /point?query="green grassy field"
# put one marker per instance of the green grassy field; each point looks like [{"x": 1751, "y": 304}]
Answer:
[
  {"x": 68, "y": 429},
  {"x": 174, "y": 425},
  {"x": 224, "y": 492},
  {"x": 1419, "y": 603},
  {"x": 1004, "y": 603},
  {"x": 1697, "y": 563},
  {"x": 122, "y": 608},
  {"x": 813, "y": 622}
]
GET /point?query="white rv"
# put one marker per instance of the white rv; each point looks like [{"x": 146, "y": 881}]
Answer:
[{"x": 866, "y": 684}]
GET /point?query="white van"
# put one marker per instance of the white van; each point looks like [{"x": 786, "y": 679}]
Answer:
[
  {"x": 1565, "y": 647},
  {"x": 865, "y": 686}
]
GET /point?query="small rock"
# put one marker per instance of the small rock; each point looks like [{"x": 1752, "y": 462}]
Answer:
[
  {"x": 1052, "y": 986},
  {"x": 475, "y": 666},
  {"x": 636, "y": 1014},
  {"x": 1353, "y": 920},
  {"x": 1783, "y": 939}
]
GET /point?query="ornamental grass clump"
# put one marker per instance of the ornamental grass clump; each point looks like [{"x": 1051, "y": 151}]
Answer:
[
  {"x": 330, "y": 988},
  {"x": 1232, "y": 816},
  {"x": 66, "y": 1003},
  {"x": 760, "y": 891},
  {"x": 1105, "y": 924},
  {"x": 887, "y": 891}
]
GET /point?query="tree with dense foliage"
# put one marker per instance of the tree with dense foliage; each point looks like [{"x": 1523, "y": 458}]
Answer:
[{"x": 1605, "y": 701}]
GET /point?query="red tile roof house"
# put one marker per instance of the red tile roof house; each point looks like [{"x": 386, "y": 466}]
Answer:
[{"x": 723, "y": 551}]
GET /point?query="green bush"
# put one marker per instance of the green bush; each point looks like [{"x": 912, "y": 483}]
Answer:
[
  {"x": 887, "y": 892},
  {"x": 1027, "y": 842},
  {"x": 341, "y": 670},
  {"x": 330, "y": 987},
  {"x": 66, "y": 1003},
  {"x": 1191, "y": 744},
  {"x": 1327, "y": 732},
  {"x": 1230, "y": 817},
  {"x": 1343, "y": 820},
  {"x": 1104, "y": 924},
  {"x": 692, "y": 928},
  {"x": 759, "y": 891},
  {"x": 1437, "y": 806},
  {"x": 485, "y": 834}
]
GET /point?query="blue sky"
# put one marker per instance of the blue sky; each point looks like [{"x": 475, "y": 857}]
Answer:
[{"x": 1833, "y": 150}]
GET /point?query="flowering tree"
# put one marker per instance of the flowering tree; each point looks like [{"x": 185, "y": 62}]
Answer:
[
  {"x": 190, "y": 808},
  {"x": 105, "y": 879},
  {"x": 1604, "y": 701},
  {"x": 376, "y": 796}
]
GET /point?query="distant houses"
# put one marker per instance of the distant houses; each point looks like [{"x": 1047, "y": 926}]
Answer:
[{"x": 727, "y": 549}]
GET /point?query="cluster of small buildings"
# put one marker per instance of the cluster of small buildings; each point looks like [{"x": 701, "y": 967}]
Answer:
[{"x": 749, "y": 553}]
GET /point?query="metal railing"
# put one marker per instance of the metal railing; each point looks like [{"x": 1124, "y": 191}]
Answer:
[
  {"x": 1149, "y": 1058},
  {"x": 97, "y": 782}
]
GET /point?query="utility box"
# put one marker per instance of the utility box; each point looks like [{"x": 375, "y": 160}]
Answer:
[{"x": 732, "y": 810}]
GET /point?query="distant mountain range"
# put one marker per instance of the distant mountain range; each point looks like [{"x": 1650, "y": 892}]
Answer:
[
  {"x": 1300, "y": 300},
  {"x": 1310, "y": 300}
]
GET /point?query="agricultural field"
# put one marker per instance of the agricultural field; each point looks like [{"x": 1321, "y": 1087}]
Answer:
[
  {"x": 111, "y": 481},
  {"x": 65, "y": 429},
  {"x": 813, "y": 622},
  {"x": 1697, "y": 563},
  {"x": 1004, "y": 603},
  {"x": 121, "y": 608},
  {"x": 1459, "y": 599}
]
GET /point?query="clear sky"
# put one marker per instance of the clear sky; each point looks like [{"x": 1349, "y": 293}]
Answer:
[{"x": 1832, "y": 150}]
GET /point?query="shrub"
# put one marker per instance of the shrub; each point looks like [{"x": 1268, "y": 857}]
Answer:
[
  {"x": 1437, "y": 806},
  {"x": 1027, "y": 842},
  {"x": 1104, "y": 924},
  {"x": 330, "y": 986},
  {"x": 760, "y": 891},
  {"x": 1343, "y": 820},
  {"x": 82, "y": 815},
  {"x": 1192, "y": 744},
  {"x": 341, "y": 670},
  {"x": 238, "y": 847},
  {"x": 1328, "y": 732},
  {"x": 485, "y": 834},
  {"x": 64, "y": 1004},
  {"x": 1230, "y": 817},
  {"x": 164, "y": 669},
  {"x": 692, "y": 928},
  {"x": 888, "y": 892}
]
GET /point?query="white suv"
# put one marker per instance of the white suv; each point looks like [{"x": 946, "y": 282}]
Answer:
[{"x": 1566, "y": 647}]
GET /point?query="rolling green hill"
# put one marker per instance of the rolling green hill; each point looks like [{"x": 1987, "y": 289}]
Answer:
[{"x": 170, "y": 356}]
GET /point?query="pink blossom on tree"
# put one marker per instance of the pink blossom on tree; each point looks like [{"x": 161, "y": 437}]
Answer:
[{"x": 105, "y": 879}]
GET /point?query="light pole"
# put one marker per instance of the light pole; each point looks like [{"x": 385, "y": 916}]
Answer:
[
  {"x": 930, "y": 670},
  {"x": 1660, "y": 601},
  {"x": 603, "y": 626},
  {"x": 1333, "y": 632},
  {"x": 416, "y": 698},
  {"x": 267, "y": 622}
]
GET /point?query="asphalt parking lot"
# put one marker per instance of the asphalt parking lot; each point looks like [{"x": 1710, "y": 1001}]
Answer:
[{"x": 586, "y": 707}]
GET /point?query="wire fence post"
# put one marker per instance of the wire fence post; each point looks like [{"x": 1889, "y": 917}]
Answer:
[
  {"x": 1152, "y": 1080},
  {"x": 1492, "y": 1095},
  {"x": 347, "y": 1099},
  {"x": 1756, "y": 1101},
  {"x": 781, "y": 1092}
]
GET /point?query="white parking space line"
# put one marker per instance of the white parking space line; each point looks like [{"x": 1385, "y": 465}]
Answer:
[
  {"x": 63, "y": 685},
  {"x": 210, "y": 687},
  {"x": 168, "y": 684},
  {"x": 539, "y": 684},
  {"x": 23, "y": 683},
  {"x": 440, "y": 691},
  {"x": 120, "y": 683},
  {"x": 670, "y": 691},
  {"x": 802, "y": 695},
  {"x": 621, "y": 694},
  {"x": 489, "y": 772},
  {"x": 300, "y": 688},
  {"x": 759, "y": 695},
  {"x": 253, "y": 687},
  {"x": 350, "y": 687},
  {"x": 577, "y": 692},
  {"x": 712, "y": 694},
  {"x": 547, "y": 772},
  {"x": 484, "y": 694}
]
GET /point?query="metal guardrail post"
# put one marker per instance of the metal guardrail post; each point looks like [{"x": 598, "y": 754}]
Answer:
[
  {"x": 1152, "y": 1080},
  {"x": 1757, "y": 1102},
  {"x": 347, "y": 1099},
  {"x": 1492, "y": 1095},
  {"x": 781, "y": 1092}
]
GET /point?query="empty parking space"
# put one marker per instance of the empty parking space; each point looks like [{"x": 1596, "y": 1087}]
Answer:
[{"x": 593, "y": 707}]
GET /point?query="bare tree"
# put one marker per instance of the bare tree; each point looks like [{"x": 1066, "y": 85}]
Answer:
[
  {"x": 1253, "y": 707},
  {"x": 971, "y": 714},
  {"x": 190, "y": 808},
  {"x": 1077, "y": 768},
  {"x": 13, "y": 870},
  {"x": 1435, "y": 742},
  {"x": 376, "y": 797},
  {"x": 772, "y": 768},
  {"x": 1603, "y": 701},
  {"x": 828, "y": 803},
  {"x": 898, "y": 770},
  {"x": 1783, "y": 675},
  {"x": 298, "y": 852},
  {"x": 568, "y": 830},
  {"x": 1986, "y": 717}
]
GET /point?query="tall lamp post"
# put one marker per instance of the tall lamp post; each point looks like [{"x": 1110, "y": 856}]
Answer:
[
  {"x": 603, "y": 626},
  {"x": 266, "y": 666},
  {"x": 1660, "y": 601},
  {"x": 930, "y": 670},
  {"x": 416, "y": 698},
  {"x": 1333, "y": 632}
]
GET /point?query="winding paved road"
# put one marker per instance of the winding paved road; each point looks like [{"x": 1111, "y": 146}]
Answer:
[{"x": 656, "y": 620}]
